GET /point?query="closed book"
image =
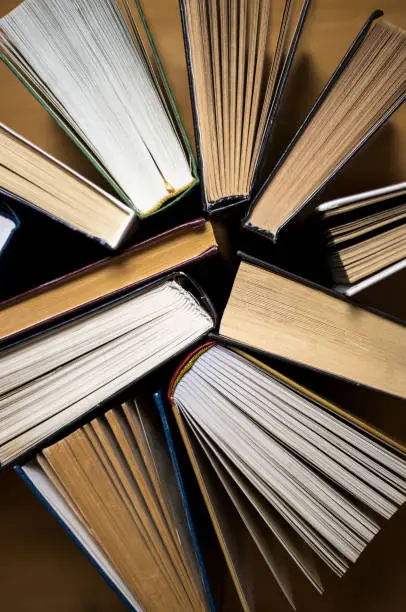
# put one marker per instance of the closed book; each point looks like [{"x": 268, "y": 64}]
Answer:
[
  {"x": 278, "y": 313},
  {"x": 113, "y": 276}
]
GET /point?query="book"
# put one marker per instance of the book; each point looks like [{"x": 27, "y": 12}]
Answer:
[
  {"x": 308, "y": 480},
  {"x": 138, "y": 538},
  {"x": 128, "y": 128},
  {"x": 188, "y": 488},
  {"x": 237, "y": 74},
  {"x": 366, "y": 236},
  {"x": 273, "y": 311},
  {"x": 72, "y": 367},
  {"x": 339, "y": 124},
  {"x": 41, "y": 181},
  {"x": 45, "y": 304},
  {"x": 9, "y": 222}
]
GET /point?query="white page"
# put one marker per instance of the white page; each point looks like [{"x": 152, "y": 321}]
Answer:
[
  {"x": 106, "y": 90},
  {"x": 70, "y": 386},
  {"x": 45, "y": 487},
  {"x": 272, "y": 434}
]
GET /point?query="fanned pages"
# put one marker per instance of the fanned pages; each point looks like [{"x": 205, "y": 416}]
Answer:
[
  {"x": 366, "y": 236},
  {"x": 283, "y": 315},
  {"x": 305, "y": 475},
  {"x": 42, "y": 181},
  {"x": 237, "y": 78},
  {"x": 88, "y": 64},
  {"x": 366, "y": 89},
  {"x": 138, "y": 536},
  {"x": 54, "y": 378}
]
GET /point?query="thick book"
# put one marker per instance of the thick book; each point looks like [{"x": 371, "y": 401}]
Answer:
[
  {"x": 278, "y": 313},
  {"x": 365, "y": 236},
  {"x": 341, "y": 121},
  {"x": 305, "y": 480},
  {"x": 140, "y": 538},
  {"x": 111, "y": 277},
  {"x": 9, "y": 222},
  {"x": 237, "y": 75},
  {"x": 36, "y": 179},
  {"x": 128, "y": 128},
  {"x": 50, "y": 379}
]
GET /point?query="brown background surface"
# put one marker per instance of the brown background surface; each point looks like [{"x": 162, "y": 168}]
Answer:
[{"x": 40, "y": 568}]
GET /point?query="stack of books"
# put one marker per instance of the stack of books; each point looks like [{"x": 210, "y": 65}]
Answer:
[{"x": 148, "y": 425}]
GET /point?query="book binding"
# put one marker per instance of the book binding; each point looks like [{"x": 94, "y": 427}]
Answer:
[
  {"x": 229, "y": 204},
  {"x": 326, "y": 90},
  {"x": 224, "y": 340}
]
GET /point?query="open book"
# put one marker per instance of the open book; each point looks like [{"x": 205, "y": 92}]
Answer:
[
  {"x": 306, "y": 480},
  {"x": 139, "y": 538},
  {"x": 368, "y": 85},
  {"x": 93, "y": 66},
  {"x": 51, "y": 379},
  {"x": 240, "y": 54},
  {"x": 366, "y": 236}
]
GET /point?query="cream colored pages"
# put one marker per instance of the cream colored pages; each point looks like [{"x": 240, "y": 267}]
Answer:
[
  {"x": 31, "y": 174},
  {"x": 371, "y": 85},
  {"x": 99, "y": 473},
  {"x": 44, "y": 485},
  {"x": 284, "y": 317},
  {"x": 238, "y": 52}
]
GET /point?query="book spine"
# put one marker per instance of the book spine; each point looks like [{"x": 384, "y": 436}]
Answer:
[{"x": 159, "y": 401}]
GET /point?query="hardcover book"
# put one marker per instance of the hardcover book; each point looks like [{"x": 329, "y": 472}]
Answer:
[
  {"x": 70, "y": 369},
  {"x": 128, "y": 128},
  {"x": 366, "y": 236},
  {"x": 140, "y": 538},
  {"x": 111, "y": 277},
  {"x": 275, "y": 312},
  {"x": 339, "y": 124},
  {"x": 303, "y": 479},
  {"x": 237, "y": 75},
  {"x": 9, "y": 222}
]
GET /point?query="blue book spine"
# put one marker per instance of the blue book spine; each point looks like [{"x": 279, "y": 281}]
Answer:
[{"x": 160, "y": 402}]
